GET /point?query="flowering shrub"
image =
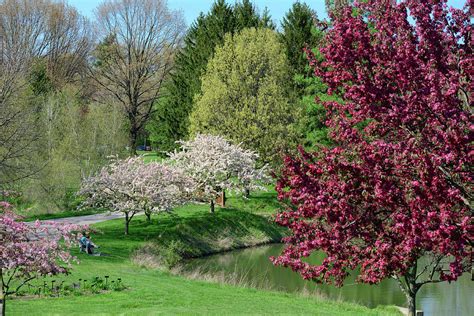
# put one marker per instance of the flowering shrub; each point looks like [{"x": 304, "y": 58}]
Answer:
[
  {"x": 397, "y": 187},
  {"x": 28, "y": 251}
]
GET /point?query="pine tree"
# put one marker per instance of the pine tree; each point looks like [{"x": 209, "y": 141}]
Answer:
[
  {"x": 297, "y": 33},
  {"x": 171, "y": 120},
  {"x": 300, "y": 30}
]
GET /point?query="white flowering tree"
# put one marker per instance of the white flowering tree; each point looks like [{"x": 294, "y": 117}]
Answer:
[
  {"x": 217, "y": 165},
  {"x": 132, "y": 186}
]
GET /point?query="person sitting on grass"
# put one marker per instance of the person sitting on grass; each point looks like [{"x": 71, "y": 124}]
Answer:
[
  {"x": 83, "y": 242},
  {"x": 86, "y": 244}
]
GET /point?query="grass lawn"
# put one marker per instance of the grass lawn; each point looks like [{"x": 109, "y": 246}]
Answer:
[
  {"x": 149, "y": 155},
  {"x": 154, "y": 291}
]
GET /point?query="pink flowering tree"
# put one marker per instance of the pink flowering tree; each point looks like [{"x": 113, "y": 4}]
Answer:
[
  {"x": 393, "y": 197},
  {"x": 131, "y": 186},
  {"x": 28, "y": 251},
  {"x": 217, "y": 165}
]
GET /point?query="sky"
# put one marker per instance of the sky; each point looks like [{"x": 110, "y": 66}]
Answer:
[{"x": 192, "y": 8}]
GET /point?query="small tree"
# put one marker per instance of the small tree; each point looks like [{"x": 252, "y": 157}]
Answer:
[
  {"x": 164, "y": 187},
  {"x": 217, "y": 165},
  {"x": 28, "y": 251},
  {"x": 131, "y": 186},
  {"x": 393, "y": 198}
]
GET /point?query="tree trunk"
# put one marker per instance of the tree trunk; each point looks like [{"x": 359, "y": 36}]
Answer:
[
  {"x": 411, "y": 303},
  {"x": 2, "y": 304},
  {"x": 409, "y": 287},
  {"x": 132, "y": 141},
  {"x": 2, "y": 295},
  {"x": 148, "y": 217},
  {"x": 247, "y": 193},
  {"x": 126, "y": 223},
  {"x": 212, "y": 206},
  {"x": 221, "y": 199}
]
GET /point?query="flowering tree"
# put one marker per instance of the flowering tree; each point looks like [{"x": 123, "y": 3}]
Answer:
[
  {"x": 217, "y": 165},
  {"x": 131, "y": 186},
  {"x": 393, "y": 197},
  {"x": 28, "y": 251}
]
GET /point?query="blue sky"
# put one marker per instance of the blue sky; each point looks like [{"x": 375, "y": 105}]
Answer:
[{"x": 192, "y": 8}]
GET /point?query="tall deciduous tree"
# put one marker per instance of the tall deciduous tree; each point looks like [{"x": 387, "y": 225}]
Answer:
[
  {"x": 394, "y": 198},
  {"x": 245, "y": 94},
  {"x": 171, "y": 120},
  {"x": 217, "y": 165},
  {"x": 41, "y": 32},
  {"x": 142, "y": 39}
]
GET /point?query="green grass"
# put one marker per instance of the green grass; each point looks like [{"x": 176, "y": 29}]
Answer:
[
  {"x": 192, "y": 232},
  {"x": 155, "y": 291},
  {"x": 149, "y": 155}
]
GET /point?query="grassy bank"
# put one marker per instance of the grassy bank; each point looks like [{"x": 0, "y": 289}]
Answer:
[
  {"x": 195, "y": 232},
  {"x": 191, "y": 231}
]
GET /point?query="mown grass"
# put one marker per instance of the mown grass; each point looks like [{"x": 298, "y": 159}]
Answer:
[
  {"x": 149, "y": 155},
  {"x": 155, "y": 291}
]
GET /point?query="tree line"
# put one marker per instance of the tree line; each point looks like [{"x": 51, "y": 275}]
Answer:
[{"x": 75, "y": 91}]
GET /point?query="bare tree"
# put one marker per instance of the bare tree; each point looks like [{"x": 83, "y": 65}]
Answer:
[
  {"x": 69, "y": 43},
  {"x": 43, "y": 30},
  {"x": 20, "y": 32},
  {"x": 140, "y": 38}
]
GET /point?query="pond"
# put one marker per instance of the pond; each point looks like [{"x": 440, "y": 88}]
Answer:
[{"x": 252, "y": 267}]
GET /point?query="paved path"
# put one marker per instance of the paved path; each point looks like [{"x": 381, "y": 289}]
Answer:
[
  {"x": 86, "y": 219},
  {"x": 82, "y": 220},
  {"x": 77, "y": 220}
]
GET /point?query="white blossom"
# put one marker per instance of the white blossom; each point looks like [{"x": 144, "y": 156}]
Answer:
[{"x": 216, "y": 165}]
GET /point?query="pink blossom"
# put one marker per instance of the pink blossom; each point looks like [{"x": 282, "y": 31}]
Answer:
[{"x": 399, "y": 189}]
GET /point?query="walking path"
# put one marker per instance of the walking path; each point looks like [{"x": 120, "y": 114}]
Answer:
[
  {"x": 77, "y": 220},
  {"x": 86, "y": 219},
  {"x": 81, "y": 220}
]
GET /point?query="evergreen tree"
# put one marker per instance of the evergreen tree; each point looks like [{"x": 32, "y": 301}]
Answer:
[
  {"x": 298, "y": 32},
  {"x": 246, "y": 15},
  {"x": 171, "y": 122}
]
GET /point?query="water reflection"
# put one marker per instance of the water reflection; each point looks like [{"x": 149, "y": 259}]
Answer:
[{"x": 252, "y": 267}]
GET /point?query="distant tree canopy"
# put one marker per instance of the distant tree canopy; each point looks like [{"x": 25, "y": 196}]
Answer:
[
  {"x": 170, "y": 122},
  {"x": 43, "y": 47},
  {"x": 245, "y": 94}
]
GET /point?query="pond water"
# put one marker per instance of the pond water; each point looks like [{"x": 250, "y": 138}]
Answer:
[{"x": 252, "y": 267}]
